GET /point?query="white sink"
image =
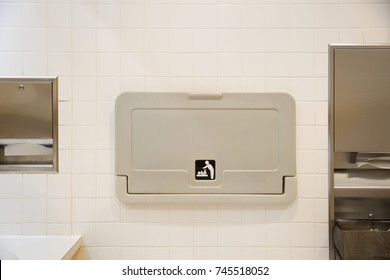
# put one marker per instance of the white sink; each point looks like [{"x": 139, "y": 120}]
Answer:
[{"x": 39, "y": 247}]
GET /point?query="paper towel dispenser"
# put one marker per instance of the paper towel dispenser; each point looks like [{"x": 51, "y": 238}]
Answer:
[
  {"x": 28, "y": 124},
  {"x": 360, "y": 103},
  {"x": 180, "y": 147}
]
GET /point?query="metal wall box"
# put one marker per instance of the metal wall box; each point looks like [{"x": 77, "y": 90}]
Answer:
[
  {"x": 180, "y": 147},
  {"x": 28, "y": 124},
  {"x": 359, "y": 146}
]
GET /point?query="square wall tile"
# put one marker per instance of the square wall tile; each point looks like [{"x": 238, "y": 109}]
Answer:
[
  {"x": 253, "y": 16},
  {"x": 59, "y": 229},
  {"x": 59, "y": 15},
  {"x": 157, "y": 16},
  {"x": 278, "y": 235},
  {"x": 205, "y": 234},
  {"x": 59, "y": 210},
  {"x": 204, "y": 16},
  {"x": 83, "y": 161},
  {"x": 84, "y": 185},
  {"x": 181, "y": 234},
  {"x": 11, "y": 64},
  {"x": 10, "y": 14},
  {"x": 156, "y": 213},
  {"x": 157, "y": 234},
  {"x": 303, "y": 234},
  {"x": 83, "y": 40},
  {"x": 132, "y": 253},
  {"x": 230, "y": 235},
  {"x": 132, "y": 65},
  {"x": 180, "y": 40},
  {"x": 84, "y": 88},
  {"x": 229, "y": 16},
  {"x": 11, "y": 186},
  {"x": 133, "y": 16},
  {"x": 303, "y": 211},
  {"x": 84, "y": 137},
  {"x": 277, "y": 16},
  {"x": 229, "y": 253},
  {"x": 180, "y": 16},
  {"x": 83, "y": 210},
  {"x": 11, "y": 210},
  {"x": 84, "y": 15},
  {"x": 79, "y": 115},
  {"x": 278, "y": 253},
  {"x": 34, "y": 229},
  {"x": 181, "y": 253},
  {"x": 35, "y": 185},
  {"x": 107, "y": 210},
  {"x": 34, "y": 210},
  {"x": 302, "y": 15},
  {"x": 206, "y": 253},
  {"x": 84, "y": 64},
  {"x": 34, "y": 39},
  {"x": 132, "y": 213},
  {"x": 59, "y": 186},
  {"x": 254, "y": 253},
  {"x": 35, "y": 64},
  {"x": 254, "y": 234},
  {"x": 105, "y": 186},
  {"x": 108, "y": 16},
  {"x": 108, "y": 234},
  {"x": 132, "y": 234},
  {"x": 59, "y": 64},
  {"x": 108, "y": 40},
  {"x": 14, "y": 42},
  {"x": 157, "y": 253},
  {"x": 34, "y": 15},
  {"x": 302, "y": 253}
]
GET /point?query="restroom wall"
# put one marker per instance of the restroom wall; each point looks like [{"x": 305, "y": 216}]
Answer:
[{"x": 100, "y": 48}]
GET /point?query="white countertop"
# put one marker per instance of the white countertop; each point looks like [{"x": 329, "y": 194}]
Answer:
[{"x": 39, "y": 247}]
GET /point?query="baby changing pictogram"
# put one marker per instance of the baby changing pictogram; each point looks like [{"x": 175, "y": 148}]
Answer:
[{"x": 205, "y": 169}]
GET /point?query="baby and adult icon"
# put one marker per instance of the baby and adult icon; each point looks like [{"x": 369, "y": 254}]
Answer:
[{"x": 207, "y": 172}]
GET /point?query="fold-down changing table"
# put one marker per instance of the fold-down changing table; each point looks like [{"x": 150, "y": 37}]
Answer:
[{"x": 180, "y": 147}]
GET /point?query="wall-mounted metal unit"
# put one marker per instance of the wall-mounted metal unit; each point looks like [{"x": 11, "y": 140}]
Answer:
[
  {"x": 28, "y": 124},
  {"x": 359, "y": 147},
  {"x": 230, "y": 147}
]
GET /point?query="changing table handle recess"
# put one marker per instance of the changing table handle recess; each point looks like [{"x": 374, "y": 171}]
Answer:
[{"x": 205, "y": 95}]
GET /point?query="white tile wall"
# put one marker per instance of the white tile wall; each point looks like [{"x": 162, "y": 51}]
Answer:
[{"x": 102, "y": 48}]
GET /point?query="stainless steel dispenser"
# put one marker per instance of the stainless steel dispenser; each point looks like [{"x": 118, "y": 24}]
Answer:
[
  {"x": 28, "y": 124},
  {"x": 359, "y": 151}
]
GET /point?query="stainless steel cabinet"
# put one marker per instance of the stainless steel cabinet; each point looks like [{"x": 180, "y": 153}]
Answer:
[
  {"x": 28, "y": 124},
  {"x": 359, "y": 143}
]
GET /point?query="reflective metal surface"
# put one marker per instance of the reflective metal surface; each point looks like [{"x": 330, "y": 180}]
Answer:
[
  {"x": 28, "y": 124},
  {"x": 362, "y": 91},
  {"x": 359, "y": 146},
  {"x": 27, "y": 113}
]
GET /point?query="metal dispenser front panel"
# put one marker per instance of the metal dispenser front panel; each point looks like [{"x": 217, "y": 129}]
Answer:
[
  {"x": 362, "y": 102},
  {"x": 28, "y": 124}
]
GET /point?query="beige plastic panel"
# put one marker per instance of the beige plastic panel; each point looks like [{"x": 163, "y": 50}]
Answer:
[{"x": 164, "y": 142}]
